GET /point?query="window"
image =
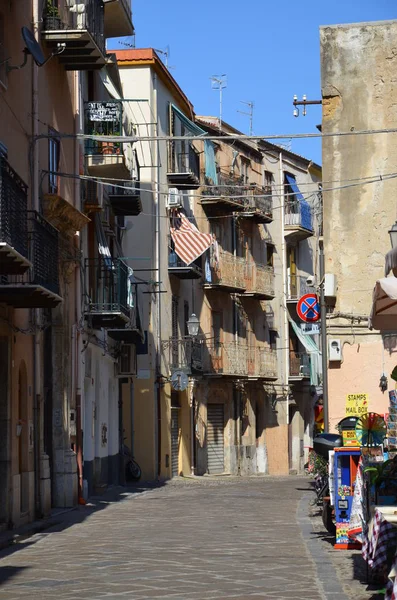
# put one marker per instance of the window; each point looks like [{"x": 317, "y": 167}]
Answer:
[
  {"x": 217, "y": 332},
  {"x": 269, "y": 255},
  {"x": 268, "y": 181},
  {"x": 273, "y": 339},
  {"x": 54, "y": 147},
  {"x": 244, "y": 170}
]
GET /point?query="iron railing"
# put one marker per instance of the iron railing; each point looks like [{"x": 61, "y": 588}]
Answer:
[
  {"x": 183, "y": 158},
  {"x": 297, "y": 287},
  {"x": 260, "y": 198},
  {"x": 183, "y": 353},
  {"x": 228, "y": 187},
  {"x": 299, "y": 364},
  {"x": 103, "y": 118},
  {"x": 106, "y": 286},
  {"x": 260, "y": 279},
  {"x": 13, "y": 209},
  {"x": 174, "y": 261},
  {"x": 298, "y": 214},
  {"x": 58, "y": 16},
  {"x": 43, "y": 253},
  {"x": 229, "y": 271},
  {"x": 266, "y": 362}
]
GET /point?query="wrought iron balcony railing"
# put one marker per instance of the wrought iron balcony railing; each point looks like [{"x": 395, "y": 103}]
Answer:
[
  {"x": 230, "y": 190},
  {"x": 229, "y": 272},
  {"x": 299, "y": 364},
  {"x": 87, "y": 15},
  {"x": 260, "y": 280},
  {"x": 260, "y": 202},
  {"x": 297, "y": 287},
  {"x": 183, "y": 164},
  {"x": 217, "y": 358},
  {"x": 103, "y": 118},
  {"x": 177, "y": 267},
  {"x": 39, "y": 286},
  {"x": 106, "y": 291},
  {"x": 13, "y": 221},
  {"x": 183, "y": 353}
]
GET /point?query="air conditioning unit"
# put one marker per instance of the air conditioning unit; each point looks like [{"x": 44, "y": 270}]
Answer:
[
  {"x": 126, "y": 365},
  {"x": 174, "y": 199}
]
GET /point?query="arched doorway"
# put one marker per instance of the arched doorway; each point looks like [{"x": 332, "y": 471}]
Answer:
[{"x": 23, "y": 437}]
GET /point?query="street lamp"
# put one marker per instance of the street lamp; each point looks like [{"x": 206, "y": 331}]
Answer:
[
  {"x": 393, "y": 235},
  {"x": 193, "y": 325}
]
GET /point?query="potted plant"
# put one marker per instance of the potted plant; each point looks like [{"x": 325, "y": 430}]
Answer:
[
  {"x": 52, "y": 19},
  {"x": 383, "y": 477}
]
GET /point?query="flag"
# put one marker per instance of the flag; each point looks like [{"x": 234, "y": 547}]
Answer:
[{"x": 188, "y": 241}]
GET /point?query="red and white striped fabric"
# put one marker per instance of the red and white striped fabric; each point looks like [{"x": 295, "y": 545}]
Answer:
[{"x": 189, "y": 242}]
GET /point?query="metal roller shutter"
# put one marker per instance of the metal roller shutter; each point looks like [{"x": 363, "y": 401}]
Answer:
[
  {"x": 174, "y": 441},
  {"x": 215, "y": 421}
]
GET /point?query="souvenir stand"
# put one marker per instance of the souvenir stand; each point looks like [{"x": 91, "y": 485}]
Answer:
[{"x": 379, "y": 495}]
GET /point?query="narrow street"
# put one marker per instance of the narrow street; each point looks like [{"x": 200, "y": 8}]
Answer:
[{"x": 191, "y": 539}]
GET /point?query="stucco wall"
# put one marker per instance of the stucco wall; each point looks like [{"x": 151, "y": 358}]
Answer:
[{"x": 358, "y": 87}]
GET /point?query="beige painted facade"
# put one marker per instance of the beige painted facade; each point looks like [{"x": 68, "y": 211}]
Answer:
[
  {"x": 358, "y": 85},
  {"x": 263, "y": 412},
  {"x": 49, "y": 394}
]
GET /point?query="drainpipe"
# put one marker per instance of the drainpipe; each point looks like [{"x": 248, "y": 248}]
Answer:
[
  {"x": 285, "y": 341},
  {"x": 37, "y": 379},
  {"x": 158, "y": 296},
  {"x": 78, "y": 299}
]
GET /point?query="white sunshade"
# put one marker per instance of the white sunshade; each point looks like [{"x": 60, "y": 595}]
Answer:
[{"x": 384, "y": 307}]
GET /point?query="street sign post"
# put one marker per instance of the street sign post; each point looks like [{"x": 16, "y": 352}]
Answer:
[{"x": 308, "y": 308}]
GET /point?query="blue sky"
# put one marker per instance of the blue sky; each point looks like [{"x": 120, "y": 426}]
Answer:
[{"x": 269, "y": 51}]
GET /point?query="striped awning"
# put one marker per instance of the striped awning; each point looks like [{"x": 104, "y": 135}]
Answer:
[{"x": 189, "y": 242}]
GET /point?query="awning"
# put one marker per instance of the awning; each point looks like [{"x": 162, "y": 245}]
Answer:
[
  {"x": 314, "y": 353},
  {"x": 302, "y": 206},
  {"x": 384, "y": 305},
  {"x": 189, "y": 242},
  {"x": 209, "y": 148}
]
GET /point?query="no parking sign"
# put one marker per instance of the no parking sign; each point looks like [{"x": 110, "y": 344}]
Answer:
[{"x": 308, "y": 308}]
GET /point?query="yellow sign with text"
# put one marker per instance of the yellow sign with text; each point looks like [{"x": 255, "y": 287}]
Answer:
[
  {"x": 349, "y": 438},
  {"x": 356, "y": 405}
]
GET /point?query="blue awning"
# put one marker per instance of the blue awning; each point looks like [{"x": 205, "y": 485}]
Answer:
[{"x": 294, "y": 187}]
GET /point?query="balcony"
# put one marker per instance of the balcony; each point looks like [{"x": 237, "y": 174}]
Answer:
[
  {"x": 13, "y": 222},
  {"x": 228, "y": 273},
  {"x": 297, "y": 287},
  {"x": 81, "y": 28},
  {"x": 297, "y": 221},
  {"x": 260, "y": 281},
  {"x": 299, "y": 365},
  {"x": 118, "y": 18},
  {"x": 126, "y": 202},
  {"x": 184, "y": 354},
  {"x": 38, "y": 287},
  {"x": 106, "y": 292},
  {"x": 227, "y": 196},
  {"x": 265, "y": 364},
  {"x": 229, "y": 359},
  {"x": 105, "y": 159},
  {"x": 259, "y": 204},
  {"x": 177, "y": 267},
  {"x": 183, "y": 165}
]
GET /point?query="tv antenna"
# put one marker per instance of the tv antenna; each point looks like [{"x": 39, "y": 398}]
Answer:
[
  {"x": 249, "y": 113},
  {"x": 130, "y": 44},
  {"x": 166, "y": 53},
  {"x": 33, "y": 47},
  {"x": 219, "y": 82}
]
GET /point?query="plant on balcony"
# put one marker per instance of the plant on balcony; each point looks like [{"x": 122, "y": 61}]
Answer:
[
  {"x": 110, "y": 147},
  {"x": 52, "y": 19}
]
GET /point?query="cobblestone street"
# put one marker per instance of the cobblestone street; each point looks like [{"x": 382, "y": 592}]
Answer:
[{"x": 190, "y": 539}]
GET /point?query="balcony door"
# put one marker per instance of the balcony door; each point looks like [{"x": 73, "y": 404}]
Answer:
[
  {"x": 217, "y": 336},
  {"x": 292, "y": 283},
  {"x": 251, "y": 341}
]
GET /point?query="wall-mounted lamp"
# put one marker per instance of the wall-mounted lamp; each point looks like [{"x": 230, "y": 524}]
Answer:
[
  {"x": 393, "y": 235},
  {"x": 193, "y": 325}
]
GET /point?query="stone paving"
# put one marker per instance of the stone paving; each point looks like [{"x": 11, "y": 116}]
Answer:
[{"x": 204, "y": 538}]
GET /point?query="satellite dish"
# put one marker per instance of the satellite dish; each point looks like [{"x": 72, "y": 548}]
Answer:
[{"x": 33, "y": 47}]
